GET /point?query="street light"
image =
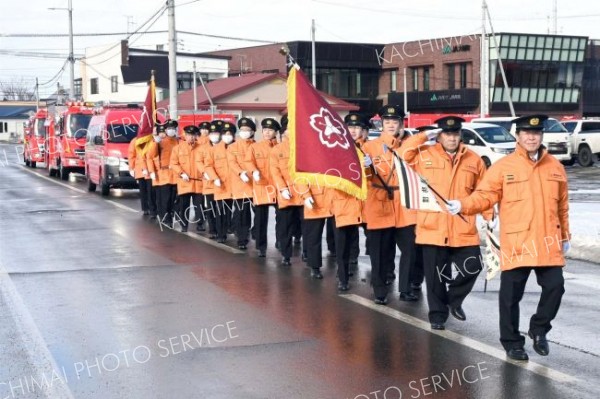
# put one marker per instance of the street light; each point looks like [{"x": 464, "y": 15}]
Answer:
[{"x": 71, "y": 57}]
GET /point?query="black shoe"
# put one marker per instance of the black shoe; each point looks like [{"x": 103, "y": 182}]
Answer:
[
  {"x": 220, "y": 240},
  {"x": 353, "y": 261},
  {"x": 381, "y": 301},
  {"x": 200, "y": 228},
  {"x": 343, "y": 286},
  {"x": 304, "y": 257},
  {"x": 517, "y": 354},
  {"x": 540, "y": 344},
  {"x": 212, "y": 236},
  {"x": 438, "y": 326},
  {"x": 146, "y": 213},
  {"x": 242, "y": 246},
  {"x": 458, "y": 313},
  {"x": 350, "y": 274},
  {"x": 415, "y": 286},
  {"x": 184, "y": 229},
  {"x": 316, "y": 273},
  {"x": 286, "y": 262},
  {"x": 408, "y": 297},
  {"x": 262, "y": 254}
]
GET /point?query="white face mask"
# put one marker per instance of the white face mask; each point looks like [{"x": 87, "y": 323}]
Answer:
[
  {"x": 227, "y": 139},
  {"x": 157, "y": 138},
  {"x": 171, "y": 132},
  {"x": 245, "y": 134},
  {"x": 214, "y": 138}
]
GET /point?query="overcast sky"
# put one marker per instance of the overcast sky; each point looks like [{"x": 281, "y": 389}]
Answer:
[{"x": 385, "y": 21}]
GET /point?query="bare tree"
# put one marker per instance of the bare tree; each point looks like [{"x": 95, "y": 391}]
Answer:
[{"x": 16, "y": 91}]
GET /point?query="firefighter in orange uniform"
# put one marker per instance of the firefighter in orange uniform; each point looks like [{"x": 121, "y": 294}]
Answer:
[
  {"x": 209, "y": 205},
  {"x": 264, "y": 192},
  {"x": 388, "y": 222},
  {"x": 453, "y": 171},
  {"x": 289, "y": 202},
  {"x": 158, "y": 158},
  {"x": 218, "y": 171},
  {"x": 204, "y": 132},
  {"x": 531, "y": 187},
  {"x": 189, "y": 182},
  {"x": 241, "y": 180},
  {"x": 139, "y": 171}
]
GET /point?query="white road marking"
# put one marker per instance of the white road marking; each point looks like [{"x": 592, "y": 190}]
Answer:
[
  {"x": 41, "y": 360},
  {"x": 207, "y": 240},
  {"x": 462, "y": 340}
]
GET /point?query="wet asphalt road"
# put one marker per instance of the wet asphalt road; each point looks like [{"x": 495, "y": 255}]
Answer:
[{"x": 97, "y": 302}]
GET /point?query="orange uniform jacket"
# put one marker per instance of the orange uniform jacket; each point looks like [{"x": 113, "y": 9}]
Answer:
[
  {"x": 216, "y": 165},
  {"x": 202, "y": 140},
  {"x": 158, "y": 161},
  {"x": 346, "y": 208},
  {"x": 534, "y": 208},
  {"x": 236, "y": 154},
  {"x": 208, "y": 186},
  {"x": 257, "y": 159},
  {"x": 183, "y": 160},
  {"x": 280, "y": 172},
  {"x": 137, "y": 162},
  {"x": 380, "y": 212},
  {"x": 321, "y": 206},
  {"x": 450, "y": 179}
]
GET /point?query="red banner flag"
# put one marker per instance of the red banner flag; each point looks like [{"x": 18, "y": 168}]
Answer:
[
  {"x": 149, "y": 114},
  {"x": 322, "y": 151}
]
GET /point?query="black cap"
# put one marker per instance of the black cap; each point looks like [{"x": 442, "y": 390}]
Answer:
[
  {"x": 247, "y": 122},
  {"x": 425, "y": 128},
  {"x": 530, "y": 122},
  {"x": 161, "y": 128},
  {"x": 284, "y": 122},
  {"x": 391, "y": 112},
  {"x": 216, "y": 126},
  {"x": 170, "y": 123},
  {"x": 450, "y": 123},
  {"x": 204, "y": 125},
  {"x": 191, "y": 129},
  {"x": 354, "y": 119},
  {"x": 270, "y": 123},
  {"x": 228, "y": 127}
]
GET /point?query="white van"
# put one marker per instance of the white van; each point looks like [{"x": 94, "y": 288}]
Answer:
[
  {"x": 491, "y": 142},
  {"x": 585, "y": 139},
  {"x": 556, "y": 137}
]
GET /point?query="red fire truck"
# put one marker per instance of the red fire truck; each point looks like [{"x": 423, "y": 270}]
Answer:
[
  {"x": 34, "y": 147},
  {"x": 66, "y": 140}
]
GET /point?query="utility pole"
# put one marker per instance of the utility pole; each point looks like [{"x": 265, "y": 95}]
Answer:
[
  {"x": 314, "y": 66},
  {"x": 194, "y": 88},
  {"x": 483, "y": 66},
  {"x": 71, "y": 58},
  {"x": 172, "y": 61},
  {"x": 37, "y": 95}
]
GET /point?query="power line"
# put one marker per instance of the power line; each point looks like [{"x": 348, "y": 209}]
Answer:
[
  {"x": 242, "y": 39},
  {"x": 74, "y": 34}
]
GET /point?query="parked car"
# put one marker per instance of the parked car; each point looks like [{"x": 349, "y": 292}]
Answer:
[
  {"x": 584, "y": 137},
  {"x": 556, "y": 137},
  {"x": 491, "y": 142}
]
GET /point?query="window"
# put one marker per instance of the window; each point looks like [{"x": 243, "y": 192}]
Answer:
[
  {"x": 468, "y": 137},
  {"x": 463, "y": 76},
  {"x": 415, "y": 79},
  {"x": 426, "y": 78},
  {"x": 451, "y": 79},
  {"x": 77, "y": 87},
  {"x": 114, "y": 84},
  {"x": 3, "y": 127},
  {"x": 394, "y": 80},
  {"x": 94, "y": 86}
]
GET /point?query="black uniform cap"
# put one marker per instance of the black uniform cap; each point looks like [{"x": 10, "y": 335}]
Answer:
[
  {"x": 391, "y": 112},
  {"x": 216, "y": 126},
  {"x": 170, "y": 123},
  {"x": 228, "y": 127},
  {"x": 425, "y": 128},
  {"x": 450, "y": 123},
  {"x": 530, "y": 122},
  {"x": 270, "y": 123},
  {"x": 204, "y": 125},
  {"x": 191, "y": 129},
  {"x": 354, "y": 119},
  {"x": 161, "y": 128},
  {"x": 247, "y": 122}
]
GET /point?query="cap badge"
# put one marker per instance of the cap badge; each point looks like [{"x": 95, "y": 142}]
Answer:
[{"x": 534, "y": 121}]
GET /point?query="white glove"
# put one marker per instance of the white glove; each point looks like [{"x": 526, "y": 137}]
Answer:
[
  {"x": 566, "y": 246},
  {"x": 256, "y": 175},
  {"x": 206, "y": 176},
  {"x": 492, "y": 224},
  {"x": 144, "y": 172},
  {"x": 432, "y": 134},
  {"x": 132, "y": 172},
  {"x": 454, "y": 207},
  {"x": 368, "y": 161},
  {"x": 153, "y": 176},
  {"x": 185, "y": 177},
  {"x": 309, "y": 202},
  {"x": 285, "y": 193},
  {"x": 244, "y": 176},
  {"x": 218, "y": 182}
]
